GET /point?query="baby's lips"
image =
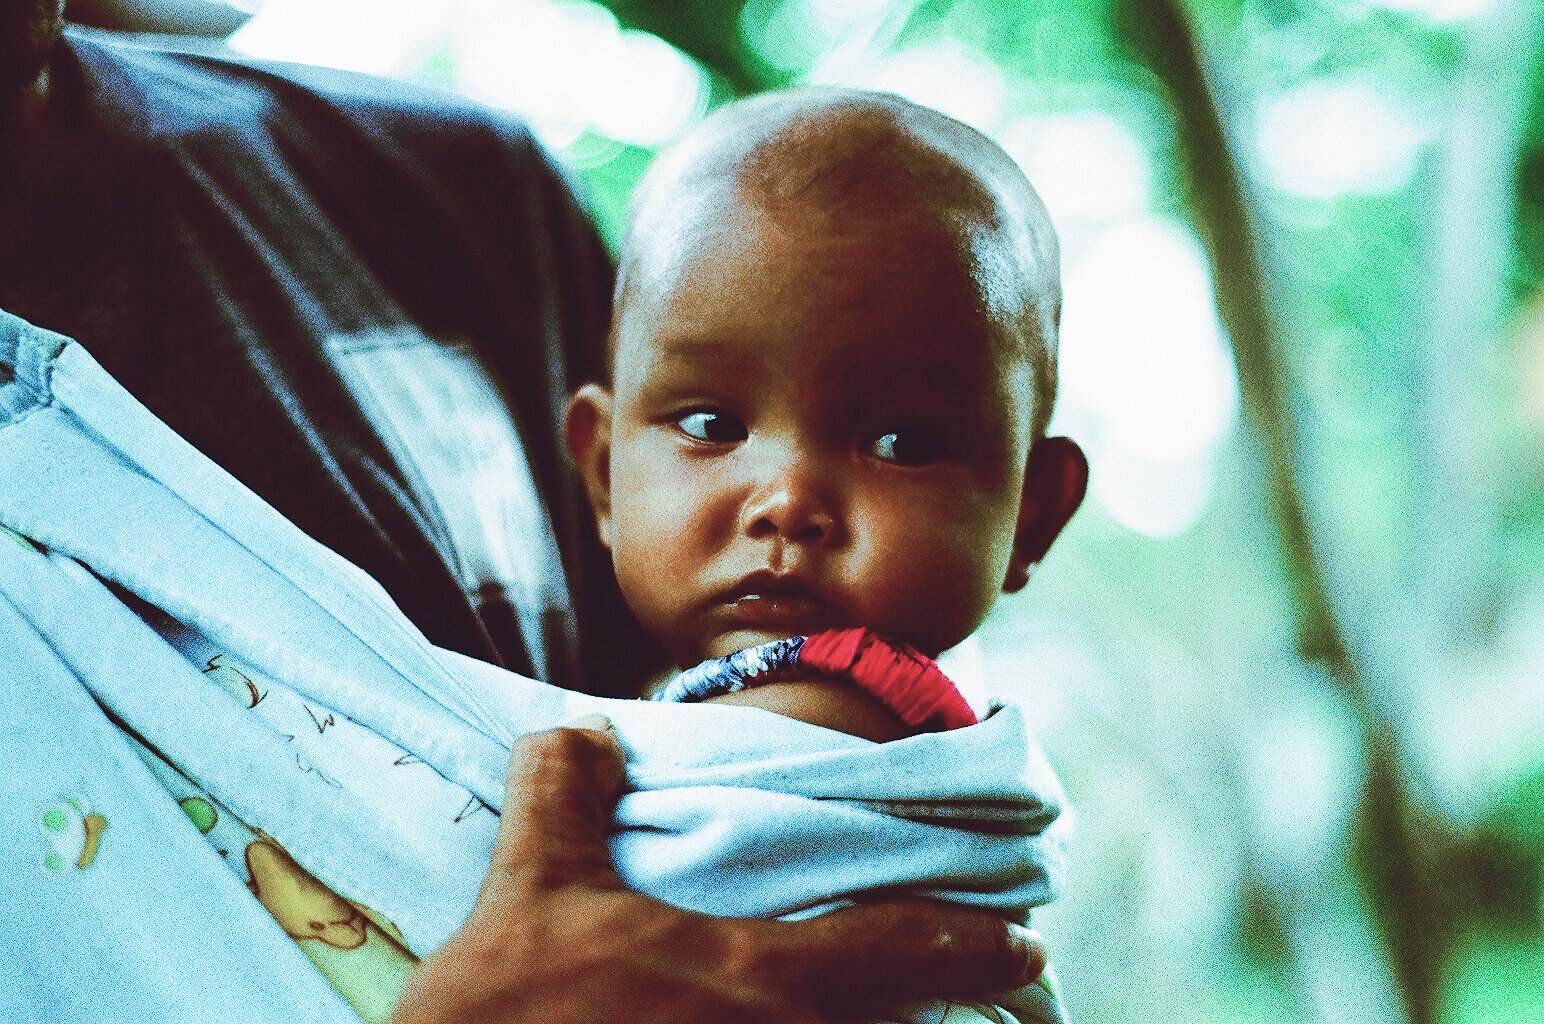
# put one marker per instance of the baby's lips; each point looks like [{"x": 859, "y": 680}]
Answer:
[
  {"x": 766, "y": 584},
  {"x": 794, "y": 613}
]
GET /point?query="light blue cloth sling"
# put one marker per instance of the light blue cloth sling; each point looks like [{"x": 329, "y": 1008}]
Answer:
[{"x": 156, "y": 586}]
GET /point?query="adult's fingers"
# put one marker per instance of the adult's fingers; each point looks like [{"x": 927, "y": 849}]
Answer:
[
  {"x": 873, "y": 958},
  {"x": 560, "y": 791}
]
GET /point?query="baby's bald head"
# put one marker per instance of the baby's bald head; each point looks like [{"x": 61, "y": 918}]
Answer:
[{"x": 845, "y": 159}]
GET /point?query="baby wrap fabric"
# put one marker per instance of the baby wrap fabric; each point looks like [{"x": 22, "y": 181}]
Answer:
[
  {"x": 154, "y": 579},
  {"x": 902, "y": 678}
]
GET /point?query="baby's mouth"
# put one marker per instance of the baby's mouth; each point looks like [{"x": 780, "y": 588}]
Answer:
[{"x": 779, "y": 603}]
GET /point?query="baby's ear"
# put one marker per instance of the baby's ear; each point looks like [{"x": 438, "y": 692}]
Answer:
[
  {"x": 588, "y": 431},
  {"x": 1054, "y": 483}
]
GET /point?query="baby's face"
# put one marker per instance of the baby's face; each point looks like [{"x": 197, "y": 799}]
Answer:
[{"x": 811, "y": 428}]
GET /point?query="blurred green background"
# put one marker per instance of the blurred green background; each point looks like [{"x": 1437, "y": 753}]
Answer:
[{"x": 1289, "y": 660}]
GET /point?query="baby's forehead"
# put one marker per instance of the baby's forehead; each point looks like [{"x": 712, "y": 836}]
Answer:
[
  {"x": 897, "y": 302},
  {"x": 859, "y": 159},
  {"x": 844, "y": 161},
  {"x": 960, "y": 260}
]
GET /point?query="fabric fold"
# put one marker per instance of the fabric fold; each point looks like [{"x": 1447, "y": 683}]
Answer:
[{"x": 281, "y": 681}]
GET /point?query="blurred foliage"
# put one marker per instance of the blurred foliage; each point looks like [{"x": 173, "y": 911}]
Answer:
[
  {"x": 1498, "y": 964},
  {"x": 1335, "y": 505},
  {"x": 708, "y": 31},
  {"x": 1506, "y": 876},
  {"x": 1497, "y": 980},
  {"x": 1305, "y": 731},
  {"x": 1528, "y": 274}
]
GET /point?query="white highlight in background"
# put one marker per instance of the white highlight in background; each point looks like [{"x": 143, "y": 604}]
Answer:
[
  {"x": 945, "y": 75},
  {"x": 1147, "y": 378},
  {"x": 1324, "y": 139},
  {"x": 1086, "y": 166},
  {"x": 568, "y": 67},
  {"x": 565, "y": 66},
  {"x": 378, "y": 37},
  {"x": 1440, "y": 10}
]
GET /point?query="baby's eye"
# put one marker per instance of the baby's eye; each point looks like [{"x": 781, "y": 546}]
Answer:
[
  {"x": 712, "y": 425},
  {"x": 910, "y": 447}
]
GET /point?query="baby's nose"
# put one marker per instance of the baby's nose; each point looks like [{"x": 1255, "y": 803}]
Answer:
[{"x": 796, "y": 503}]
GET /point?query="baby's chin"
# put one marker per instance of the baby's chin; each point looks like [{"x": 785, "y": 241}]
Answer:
[
  {"x": 728, "y": 642},
  {"x": 724, "y": 644}
]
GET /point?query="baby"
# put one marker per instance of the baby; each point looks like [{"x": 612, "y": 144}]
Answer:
[
  {"x": 831, "y": 373},
  {"x": 832, "y": 365}
]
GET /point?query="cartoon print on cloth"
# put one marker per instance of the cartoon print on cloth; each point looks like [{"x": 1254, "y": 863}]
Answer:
[
  {"x": 473, "y": 805},
  {"x": 977, "y": 1013},
  {"x": 72, "y": 833},
  {"x": 200, "y": 812},
  {"x": 328, "y": 744},
  {"x": 225, "y": 670},
  {"x": 360, "y": 952},
  {"x": 966, "y": 1013},
  {"x": 304, "y": 907},
  {"x": 974, "y": 1013}
]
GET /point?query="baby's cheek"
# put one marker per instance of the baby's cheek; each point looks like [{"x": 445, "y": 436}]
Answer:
[
  {"x": 654, "y": 484},
  {"x": 671, "y": 516},
  {"x": 941, "y": 580},
  {"x": 645, "y": 552},
  {"x": 666, "y": 528}
]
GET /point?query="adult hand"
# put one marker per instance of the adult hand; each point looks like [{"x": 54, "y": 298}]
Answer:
[{"x": 556, "y": 937}]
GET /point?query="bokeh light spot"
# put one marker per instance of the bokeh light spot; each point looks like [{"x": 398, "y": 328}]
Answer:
[
  {"x": 566, "y": 66},
  {"x": 1148, "y": 383},
  {"x": 945, "y": 75},
  {"x": 1324, "y": 139},
  {"x": 1086, "y": 166},
  {"x": 381, "y": 37},
  {"x": 1440, "y": 10}
]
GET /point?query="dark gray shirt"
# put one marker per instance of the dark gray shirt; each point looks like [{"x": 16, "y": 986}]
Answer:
[{"x": 366, "y": 301}]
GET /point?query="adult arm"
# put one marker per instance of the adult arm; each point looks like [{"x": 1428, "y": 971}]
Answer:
[{"x": 556, "y": 937}]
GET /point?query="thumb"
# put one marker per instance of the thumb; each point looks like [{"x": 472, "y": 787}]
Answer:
[{"x": 560, "y": 792}]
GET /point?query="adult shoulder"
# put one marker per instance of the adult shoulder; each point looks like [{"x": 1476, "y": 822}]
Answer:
[{"x": 154, "y": 90}]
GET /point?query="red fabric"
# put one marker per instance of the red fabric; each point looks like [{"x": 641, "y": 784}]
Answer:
[{"x": 909, "y": 682}]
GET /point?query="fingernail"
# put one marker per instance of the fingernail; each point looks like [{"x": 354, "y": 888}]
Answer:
[
  {"x": 1034, "y": 947},
  {"x": 594, "y": 721},
  {"x": 1025, "y": 935}
]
